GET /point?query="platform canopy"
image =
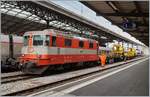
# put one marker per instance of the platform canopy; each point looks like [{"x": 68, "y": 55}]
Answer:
[
  {"x": 21, "y": 16},
  {"x": 126, "y": 15}
]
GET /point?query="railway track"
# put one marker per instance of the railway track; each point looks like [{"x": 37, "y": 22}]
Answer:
[
  {"x": 15, "y": 78},
  {"x": 11, "y": 74},
  {"x": 37, "y": 84}
]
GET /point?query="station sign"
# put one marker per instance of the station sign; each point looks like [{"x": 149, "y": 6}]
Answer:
[{"x": 129, "y": 25}]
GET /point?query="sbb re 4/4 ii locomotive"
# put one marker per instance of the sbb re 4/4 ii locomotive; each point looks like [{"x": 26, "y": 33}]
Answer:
[{"x": 52, "y": 48}]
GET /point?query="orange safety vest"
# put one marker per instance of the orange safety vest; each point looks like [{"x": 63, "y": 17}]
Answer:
[{"x": 103, "y": 59}]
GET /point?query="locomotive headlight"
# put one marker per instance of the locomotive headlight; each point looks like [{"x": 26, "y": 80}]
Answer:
[{"x": 23, "y": 55}]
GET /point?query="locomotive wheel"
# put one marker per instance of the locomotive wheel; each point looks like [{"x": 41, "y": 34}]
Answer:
[{"x": 31, "y": 68}]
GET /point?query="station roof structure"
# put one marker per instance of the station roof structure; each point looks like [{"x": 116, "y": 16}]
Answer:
[
  {"x": 21, "y": 16},
  {"x": 119, "y": 11}
]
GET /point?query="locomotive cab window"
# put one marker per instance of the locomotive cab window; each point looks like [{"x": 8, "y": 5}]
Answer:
[
  {"x": 26, "y": 40},
  {"x": 37, "y": 40},
  {"x": 81, "y": 44},
  {"x": 68, "y": 42},
  {"x": 47, "y": 40},
  {"x": 91, "y": 45}
]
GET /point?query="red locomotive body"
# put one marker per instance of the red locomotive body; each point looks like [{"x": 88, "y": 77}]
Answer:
[{"x": 51, "y": 47}]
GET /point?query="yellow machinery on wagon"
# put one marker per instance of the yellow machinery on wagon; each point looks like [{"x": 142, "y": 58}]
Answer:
[
  {"x": 131, "y": 53},
  {"x": 118, "y": 52}
]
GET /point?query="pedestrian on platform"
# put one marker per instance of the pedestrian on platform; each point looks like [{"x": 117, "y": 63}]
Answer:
[{"x": 102, "y": 59}]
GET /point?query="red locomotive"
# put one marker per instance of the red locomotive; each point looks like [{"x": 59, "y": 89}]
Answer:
[{"x": 50, "y": 48}]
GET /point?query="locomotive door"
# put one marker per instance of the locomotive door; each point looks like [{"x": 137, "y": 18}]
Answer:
[{"x": 59, "y": 41}]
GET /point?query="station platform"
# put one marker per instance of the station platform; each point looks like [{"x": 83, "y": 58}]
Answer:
[{"x": 133, "y": 81}]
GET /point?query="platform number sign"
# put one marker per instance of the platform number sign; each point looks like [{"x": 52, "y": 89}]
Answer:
[{"x": 129, "y": 25}]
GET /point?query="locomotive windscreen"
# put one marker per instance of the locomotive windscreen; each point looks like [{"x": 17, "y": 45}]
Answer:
[{"x": 38, "y": 40}]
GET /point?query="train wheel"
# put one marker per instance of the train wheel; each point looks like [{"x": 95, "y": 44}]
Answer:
[{"x": 31, "y": 68}]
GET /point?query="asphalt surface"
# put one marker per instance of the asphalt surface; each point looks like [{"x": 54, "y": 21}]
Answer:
[{"x": 133, "y": 81}]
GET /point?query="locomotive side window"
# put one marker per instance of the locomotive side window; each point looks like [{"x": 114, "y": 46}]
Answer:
[
  {"x": 47, "y": 40},
  {"x": 91, "y": 45},
  {"x": 68, "y": 42},
  {"x": 81, "y": 44},
  {"x": 53, "y": 40},
  {"x": 26, "y": 38},
  {"x": 37, "y": 40}
]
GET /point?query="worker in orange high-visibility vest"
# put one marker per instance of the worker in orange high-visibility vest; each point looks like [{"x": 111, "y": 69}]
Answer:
[{"x": 102, "y": 59}]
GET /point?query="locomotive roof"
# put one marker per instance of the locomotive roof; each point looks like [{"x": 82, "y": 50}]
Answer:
[{"x": 54, "y": 33}]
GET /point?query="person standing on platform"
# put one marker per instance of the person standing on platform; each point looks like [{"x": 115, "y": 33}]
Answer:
[{"x": 102, "y": 59}]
